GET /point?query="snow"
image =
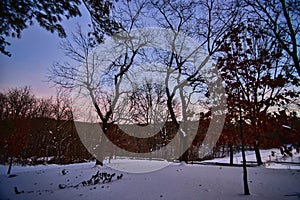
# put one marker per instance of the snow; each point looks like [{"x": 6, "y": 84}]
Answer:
[
  {"x": 136, "y": 166},
  {"x": 175, "y": 181},
  {"x": 286, "y": 126},
  {"x": 275, "y": 162}
]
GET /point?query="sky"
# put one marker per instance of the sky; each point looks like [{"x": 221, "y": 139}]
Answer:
[{"x": 32, "y": 56}]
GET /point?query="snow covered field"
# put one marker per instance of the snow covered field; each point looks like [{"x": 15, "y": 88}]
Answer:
[
  {"x": 176, "y": 181},
  {"x": 275, "y": 162}
]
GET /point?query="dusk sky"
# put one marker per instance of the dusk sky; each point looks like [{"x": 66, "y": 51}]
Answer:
[{"x": 33, "y": 54}]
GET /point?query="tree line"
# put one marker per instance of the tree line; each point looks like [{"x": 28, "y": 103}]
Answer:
[
  {"x": 35, "y": 131},
  {"x": 38, "y": 128}
]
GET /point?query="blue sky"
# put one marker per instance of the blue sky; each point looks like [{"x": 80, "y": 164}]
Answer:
[{"x": 32, "y": 55}]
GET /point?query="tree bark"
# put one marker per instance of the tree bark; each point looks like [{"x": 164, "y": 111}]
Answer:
[
  {"x": 10, "y": 165},
  {"x": 100, "y": 154},
  {"x": 245, "y": 174},
  {"x": 185, "y": 155},
  {"x": 231, "y": 154},
  {"x": 257, "y": 153},
  {"x": 99, "y": 163}
]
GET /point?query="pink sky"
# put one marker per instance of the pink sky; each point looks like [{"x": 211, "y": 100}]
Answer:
[{"x": 32, "y": 55}]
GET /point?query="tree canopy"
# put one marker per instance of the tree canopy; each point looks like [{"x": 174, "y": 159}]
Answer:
[{"x": 17, "y": 15}]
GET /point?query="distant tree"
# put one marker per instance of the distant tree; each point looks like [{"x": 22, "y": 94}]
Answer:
[
  {"x": 274, "y": 134},
  {"x": 229, "y": 136},
  {"x": 147, "y": 102},
  {"x": 17, "y": 15},
  {"x": 43, "y": 108},
  {"x": 18, "y": 103},
  {"x": 62, "y": 131},
  {"x": 16, "y": 140},
  {"x": 3, "y": 102}
]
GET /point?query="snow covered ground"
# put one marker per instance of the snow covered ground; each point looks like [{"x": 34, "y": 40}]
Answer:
[
  {"x": 277, "y": 161},
  {"x": 176, "y": 181}
]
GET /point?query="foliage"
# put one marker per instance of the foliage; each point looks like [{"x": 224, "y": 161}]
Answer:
[
  {"x": 17, "y": 15},
  {"x": 102, "y": 21},
  {"x": 255, "y": 72},
  {"x": 258, "y": 78}
]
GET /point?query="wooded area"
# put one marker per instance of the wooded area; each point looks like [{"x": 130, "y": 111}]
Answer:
[{"x": 38, "y": 131}]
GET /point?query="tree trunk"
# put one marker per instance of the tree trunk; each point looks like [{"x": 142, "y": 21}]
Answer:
[
  {"x": 231, "y": 154},
  {"x": 10, "y": 165},
  {"x": 223, "y": 151},
  {"x": 184, "y": 153},
  {"x": 257, "y": 154},
  {"x": 245, "y": 175},
  {"x": 100, "y": 153},
  {"x": 99, "y": 163},
  {"x": 184, "y": 157}
]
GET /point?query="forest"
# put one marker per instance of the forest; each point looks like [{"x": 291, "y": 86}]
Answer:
[{"x": 42, "y": 131}]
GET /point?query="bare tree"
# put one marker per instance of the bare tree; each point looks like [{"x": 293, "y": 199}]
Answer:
[
  {"x": 281, "y": 20},
  {"x": 147, "y": 102},
  {"x": 203, "y": 21},
  {"x": 43, "y": 108},
  {"x": 18, "y": 103},
  {"x": 213, "y": 19},
  {"x": 103, "y": 91}
]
